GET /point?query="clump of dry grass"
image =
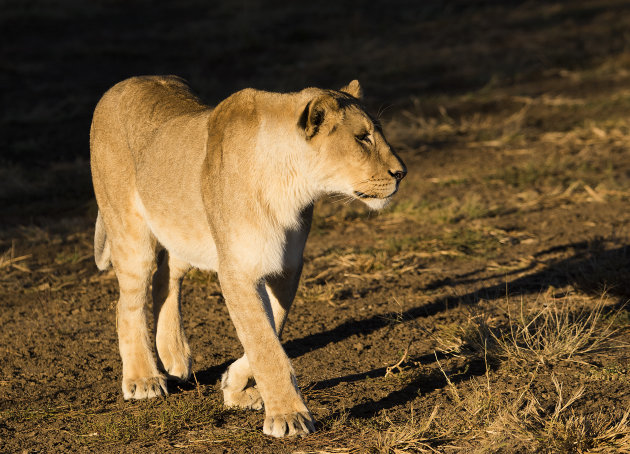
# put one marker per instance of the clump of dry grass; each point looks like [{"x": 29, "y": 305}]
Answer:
[
  {"x": 513, "y": 419},
  {"x": 527, "y": 425},
  {"x": 486, "y": 418},
  {"x": 556, "y": 333},
  {"x": 561, "y": 330},
  {"x": 412, "y": 436}
]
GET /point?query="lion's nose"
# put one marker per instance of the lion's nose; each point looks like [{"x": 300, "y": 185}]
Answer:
[{"x": 398, "y": 174}]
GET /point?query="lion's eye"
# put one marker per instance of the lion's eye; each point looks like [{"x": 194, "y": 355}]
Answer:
[{"x": 365, "y": 137}]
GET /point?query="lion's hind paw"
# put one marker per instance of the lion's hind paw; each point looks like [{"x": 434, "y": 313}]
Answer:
[{"x": 248, "y": 398}]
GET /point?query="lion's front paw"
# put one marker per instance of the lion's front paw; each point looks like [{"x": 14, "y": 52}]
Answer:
[
  {"x": 289, "y": 425},
  {"x": 144, "y": 388},
  {"x": 248, "y": 398}
]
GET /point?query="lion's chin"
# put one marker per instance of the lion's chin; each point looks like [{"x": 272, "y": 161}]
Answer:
[{"x": 376, "y": 204}]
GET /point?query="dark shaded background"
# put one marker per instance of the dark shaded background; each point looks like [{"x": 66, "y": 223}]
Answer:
[{"x": 58, "y": 57}]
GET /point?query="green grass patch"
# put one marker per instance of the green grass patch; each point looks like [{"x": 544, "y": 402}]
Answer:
[
  {"x": 470, "y": 242},
  {"x": 147, "y": 421},
  {"x": 447, "y": 210}
]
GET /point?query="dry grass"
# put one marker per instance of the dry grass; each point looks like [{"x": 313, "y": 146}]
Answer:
[
  {"x": 515, "y": 419},
  {"x": 411, "y": 436},
  {"x": 486, "y": 418},
  {"x": 10, "y": 260},
  {"x": 557, "y": 330},
  {"x": 529, "y": 426}
]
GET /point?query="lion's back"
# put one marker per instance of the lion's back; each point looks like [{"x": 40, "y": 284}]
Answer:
[{"x": 139, "y": 106}]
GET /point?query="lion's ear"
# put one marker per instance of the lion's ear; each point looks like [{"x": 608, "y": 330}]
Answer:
[
  {"x": 313, "y": 116},
  {"x": 353, "y": 89}
]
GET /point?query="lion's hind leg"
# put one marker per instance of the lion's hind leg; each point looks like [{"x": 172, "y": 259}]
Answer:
[
  {"x": 133, "y": 256},
  {"x": 170, "y": 340}
]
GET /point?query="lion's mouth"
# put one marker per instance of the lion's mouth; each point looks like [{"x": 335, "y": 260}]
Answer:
[{"x": 363, "y": 195}]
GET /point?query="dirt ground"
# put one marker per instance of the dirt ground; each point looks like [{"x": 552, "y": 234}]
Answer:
[{"x": 483, "y": 311}]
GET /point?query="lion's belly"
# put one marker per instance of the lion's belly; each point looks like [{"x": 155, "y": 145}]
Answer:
[{"x": 182, "y": 230}]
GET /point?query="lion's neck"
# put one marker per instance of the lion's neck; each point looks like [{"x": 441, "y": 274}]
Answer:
[{"x": 293, "y": 186}]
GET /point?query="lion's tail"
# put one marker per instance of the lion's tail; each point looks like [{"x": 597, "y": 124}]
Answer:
[{"x": 102, "y": 253}]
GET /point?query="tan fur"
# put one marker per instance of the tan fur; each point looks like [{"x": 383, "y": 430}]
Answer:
[
  {"x": 229, "y": 189},
  {"x": 102, "y": 256}
]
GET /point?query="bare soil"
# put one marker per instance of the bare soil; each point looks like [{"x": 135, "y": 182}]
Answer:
[{"x": 512, "y": 118}]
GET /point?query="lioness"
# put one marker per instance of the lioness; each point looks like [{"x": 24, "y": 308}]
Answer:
[{"x": 229, "y": 189}]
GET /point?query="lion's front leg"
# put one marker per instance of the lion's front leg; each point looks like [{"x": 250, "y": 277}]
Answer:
[
  {"x": 237, "y": 383},
  {"x": 251, "y": 312}
]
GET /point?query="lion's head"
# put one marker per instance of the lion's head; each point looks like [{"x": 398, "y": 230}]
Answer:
[{"x": 350, "y": 153}]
